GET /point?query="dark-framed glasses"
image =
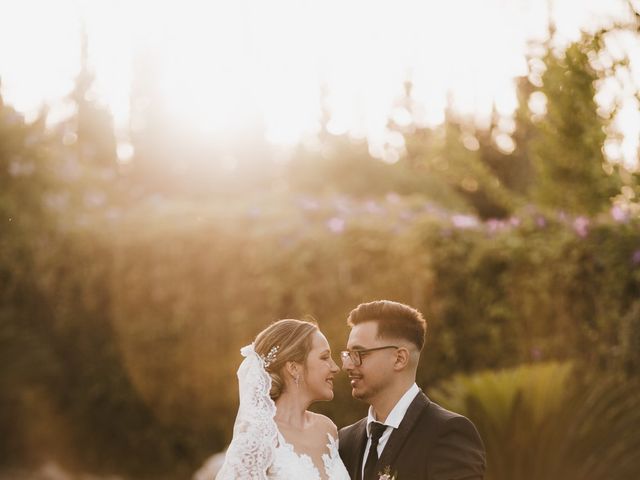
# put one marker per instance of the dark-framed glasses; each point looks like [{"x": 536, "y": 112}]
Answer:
[{"x": 356, "y": 355}]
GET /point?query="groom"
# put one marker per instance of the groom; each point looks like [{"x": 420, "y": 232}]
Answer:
[{"x": 405, "y": 435}]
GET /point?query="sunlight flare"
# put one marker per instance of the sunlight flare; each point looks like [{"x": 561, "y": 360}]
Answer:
[{"x": 220, "y": 66}]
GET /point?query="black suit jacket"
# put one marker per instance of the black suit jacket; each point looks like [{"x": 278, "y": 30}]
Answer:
[{"x": 430, "y": 443}]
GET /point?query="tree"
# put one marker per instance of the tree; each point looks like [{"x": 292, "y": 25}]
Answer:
[
  {"x": 92, "y": 124},
  {"x": 25, "y": 180},
  {"x": 452, "y": 155},
  {"x": 567, "y": 145}
]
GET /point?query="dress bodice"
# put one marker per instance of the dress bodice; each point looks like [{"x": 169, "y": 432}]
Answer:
[{"x": 289, "y": 465}]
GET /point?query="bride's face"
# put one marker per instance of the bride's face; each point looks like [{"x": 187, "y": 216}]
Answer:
[{"x": 320, "y": 369}]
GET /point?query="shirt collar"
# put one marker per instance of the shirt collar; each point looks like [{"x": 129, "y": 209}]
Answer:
[{"x": 397, "y": 413}]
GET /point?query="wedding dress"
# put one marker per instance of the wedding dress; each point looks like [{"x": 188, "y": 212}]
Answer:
[
  {"x": 258, "y": 451},
  {"x": 289, "y": 465}
]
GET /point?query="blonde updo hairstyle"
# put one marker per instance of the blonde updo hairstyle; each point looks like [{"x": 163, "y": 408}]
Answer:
[{"x": 293, "y": 339}]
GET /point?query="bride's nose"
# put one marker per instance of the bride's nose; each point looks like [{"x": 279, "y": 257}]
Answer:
[{"x": 334, "y": 367}]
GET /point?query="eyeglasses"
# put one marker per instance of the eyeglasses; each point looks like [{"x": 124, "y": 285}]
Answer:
[{"x": 356, "y": 355}]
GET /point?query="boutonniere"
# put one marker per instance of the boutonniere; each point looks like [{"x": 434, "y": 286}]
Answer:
[{"x": 386, "y": 474}]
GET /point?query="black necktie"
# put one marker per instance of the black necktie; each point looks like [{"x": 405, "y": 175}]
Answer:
[{"x": 372, "y": 458}]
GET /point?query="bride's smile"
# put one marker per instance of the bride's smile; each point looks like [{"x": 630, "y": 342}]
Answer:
[{"x": 320, "y": 369}]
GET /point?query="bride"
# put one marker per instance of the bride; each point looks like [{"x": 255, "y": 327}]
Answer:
[{"x": 275, "y": 437}]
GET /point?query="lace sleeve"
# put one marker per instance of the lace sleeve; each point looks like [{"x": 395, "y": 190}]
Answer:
[{"x": 252, "y": 448}]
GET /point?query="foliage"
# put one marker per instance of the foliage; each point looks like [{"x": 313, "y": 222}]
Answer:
[
  {"x": 567, "y": 148},
  {"x": 25, "y": 178},
  {"x": 62, "y": 379},
  {"x": 444, "y": 153},
  {"x": 90, "y": 128},
  {"x": 146, "y": 310},
  {"x": 551, "y": 421},
  {"x": 123, "y": 308},
  {"x": 26, "y": 172},
  {"x": 558, "y": 158},
  {"x": 340, "y": 164}
]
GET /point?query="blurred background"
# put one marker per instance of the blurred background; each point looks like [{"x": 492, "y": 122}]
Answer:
[{"x": 176, "y": 175}]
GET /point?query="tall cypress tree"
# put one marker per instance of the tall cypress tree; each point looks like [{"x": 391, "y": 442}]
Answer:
[
  {"x": 92, "y": 123},
  {"x": 566, "y": 148},
  {"x": 24, "y": 179}
]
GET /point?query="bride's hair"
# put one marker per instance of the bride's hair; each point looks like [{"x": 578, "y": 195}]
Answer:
[{"x": 293, "y": 340}]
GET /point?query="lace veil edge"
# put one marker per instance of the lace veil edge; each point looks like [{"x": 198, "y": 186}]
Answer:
[{"x": 252, "y": 448}]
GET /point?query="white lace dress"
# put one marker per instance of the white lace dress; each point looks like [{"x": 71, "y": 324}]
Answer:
[
  {"x": 258, "y": 451},
  {"x": 288, "y": 465}
]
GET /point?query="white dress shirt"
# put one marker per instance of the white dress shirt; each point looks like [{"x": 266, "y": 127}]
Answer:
[{"x": 393, "y": 420}]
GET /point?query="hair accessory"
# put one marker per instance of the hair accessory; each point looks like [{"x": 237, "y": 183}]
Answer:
[{"x": 271, "y": 356}]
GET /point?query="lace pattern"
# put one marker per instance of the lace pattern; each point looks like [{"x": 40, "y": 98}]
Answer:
[
  {"x": 258, "y": 451},
  {"x": 289, "y": 465},
  {"x": 252, "y": 449},
  {"x": 333, "y": 466}
]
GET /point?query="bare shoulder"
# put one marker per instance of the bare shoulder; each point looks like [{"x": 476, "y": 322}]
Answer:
[{"x": 324, "y": 424}]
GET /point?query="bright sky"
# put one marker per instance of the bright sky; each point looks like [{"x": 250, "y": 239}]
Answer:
[{"x": 223, "y": 64}]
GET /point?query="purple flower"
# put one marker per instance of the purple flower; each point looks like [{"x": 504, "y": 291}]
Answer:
[
  {"x": 336, "y": 224},
  {"x": 464, "y": 221},
  {"x": 541, "y": 221},
  {"x": 113, "y": 214},
  {"x": 18, "y": 168},
  {"x": 94, "y": 199},
  {"x": 581, "y": 226},
  {"x": 636, "y": 257},
  {"x": 393, "y": 197},
  {"x": 619, "y": 214},
  {"x": 286, "y": 242},
  {"x": 536, "y": 353},
  {"x": 407, "y": 215},
  {"x": 495, "y": 225},
  {"x": 255, "y": 212},
  {"x": 428, "y": 207},
  {"x": 342, "y": 204},
  {"x": 431, "y": 209},
  {"x": 308, "y": 203},
  {"x": 56, "y": 201},
  {"x": 371, "y": 206}
]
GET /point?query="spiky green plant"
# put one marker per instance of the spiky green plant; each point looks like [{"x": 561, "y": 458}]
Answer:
[{"x": 546, "y": 422}]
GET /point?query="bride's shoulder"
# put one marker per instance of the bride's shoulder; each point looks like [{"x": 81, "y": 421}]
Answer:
[{"x": 324, "y": 423}]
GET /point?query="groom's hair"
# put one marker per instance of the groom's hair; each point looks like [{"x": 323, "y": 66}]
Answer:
[
  {"x": 394, "y": 319},
  {"x": 288, "y": 340}
]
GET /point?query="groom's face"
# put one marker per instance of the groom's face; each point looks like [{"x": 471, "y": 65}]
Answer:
[{"x": 370, "y": 377}]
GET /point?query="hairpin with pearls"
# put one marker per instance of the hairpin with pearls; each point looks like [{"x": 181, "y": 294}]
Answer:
[{"x": 271, "y": 356}]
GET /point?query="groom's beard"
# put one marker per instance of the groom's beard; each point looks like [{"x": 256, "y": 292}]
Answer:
[{"x": 365, "y": 394}]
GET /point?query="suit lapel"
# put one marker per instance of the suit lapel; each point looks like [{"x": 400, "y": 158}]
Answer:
[
  {"x": 400, "y": 435},
  {"x": 357, "y": 452}
]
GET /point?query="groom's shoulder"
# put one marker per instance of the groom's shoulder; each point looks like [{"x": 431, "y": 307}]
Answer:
[
  {"x": 439, "y": 413},
  {"x": 441, "y": 421},
  {"x": 350, "y": 429}
]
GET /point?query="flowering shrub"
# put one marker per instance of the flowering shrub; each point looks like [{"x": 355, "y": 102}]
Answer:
[{"x": 143, "y": 309}]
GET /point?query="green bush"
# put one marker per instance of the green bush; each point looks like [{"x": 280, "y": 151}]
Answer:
[
  {"x": 549, "y": 421},
  {"x": 136, "y": 315}
]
